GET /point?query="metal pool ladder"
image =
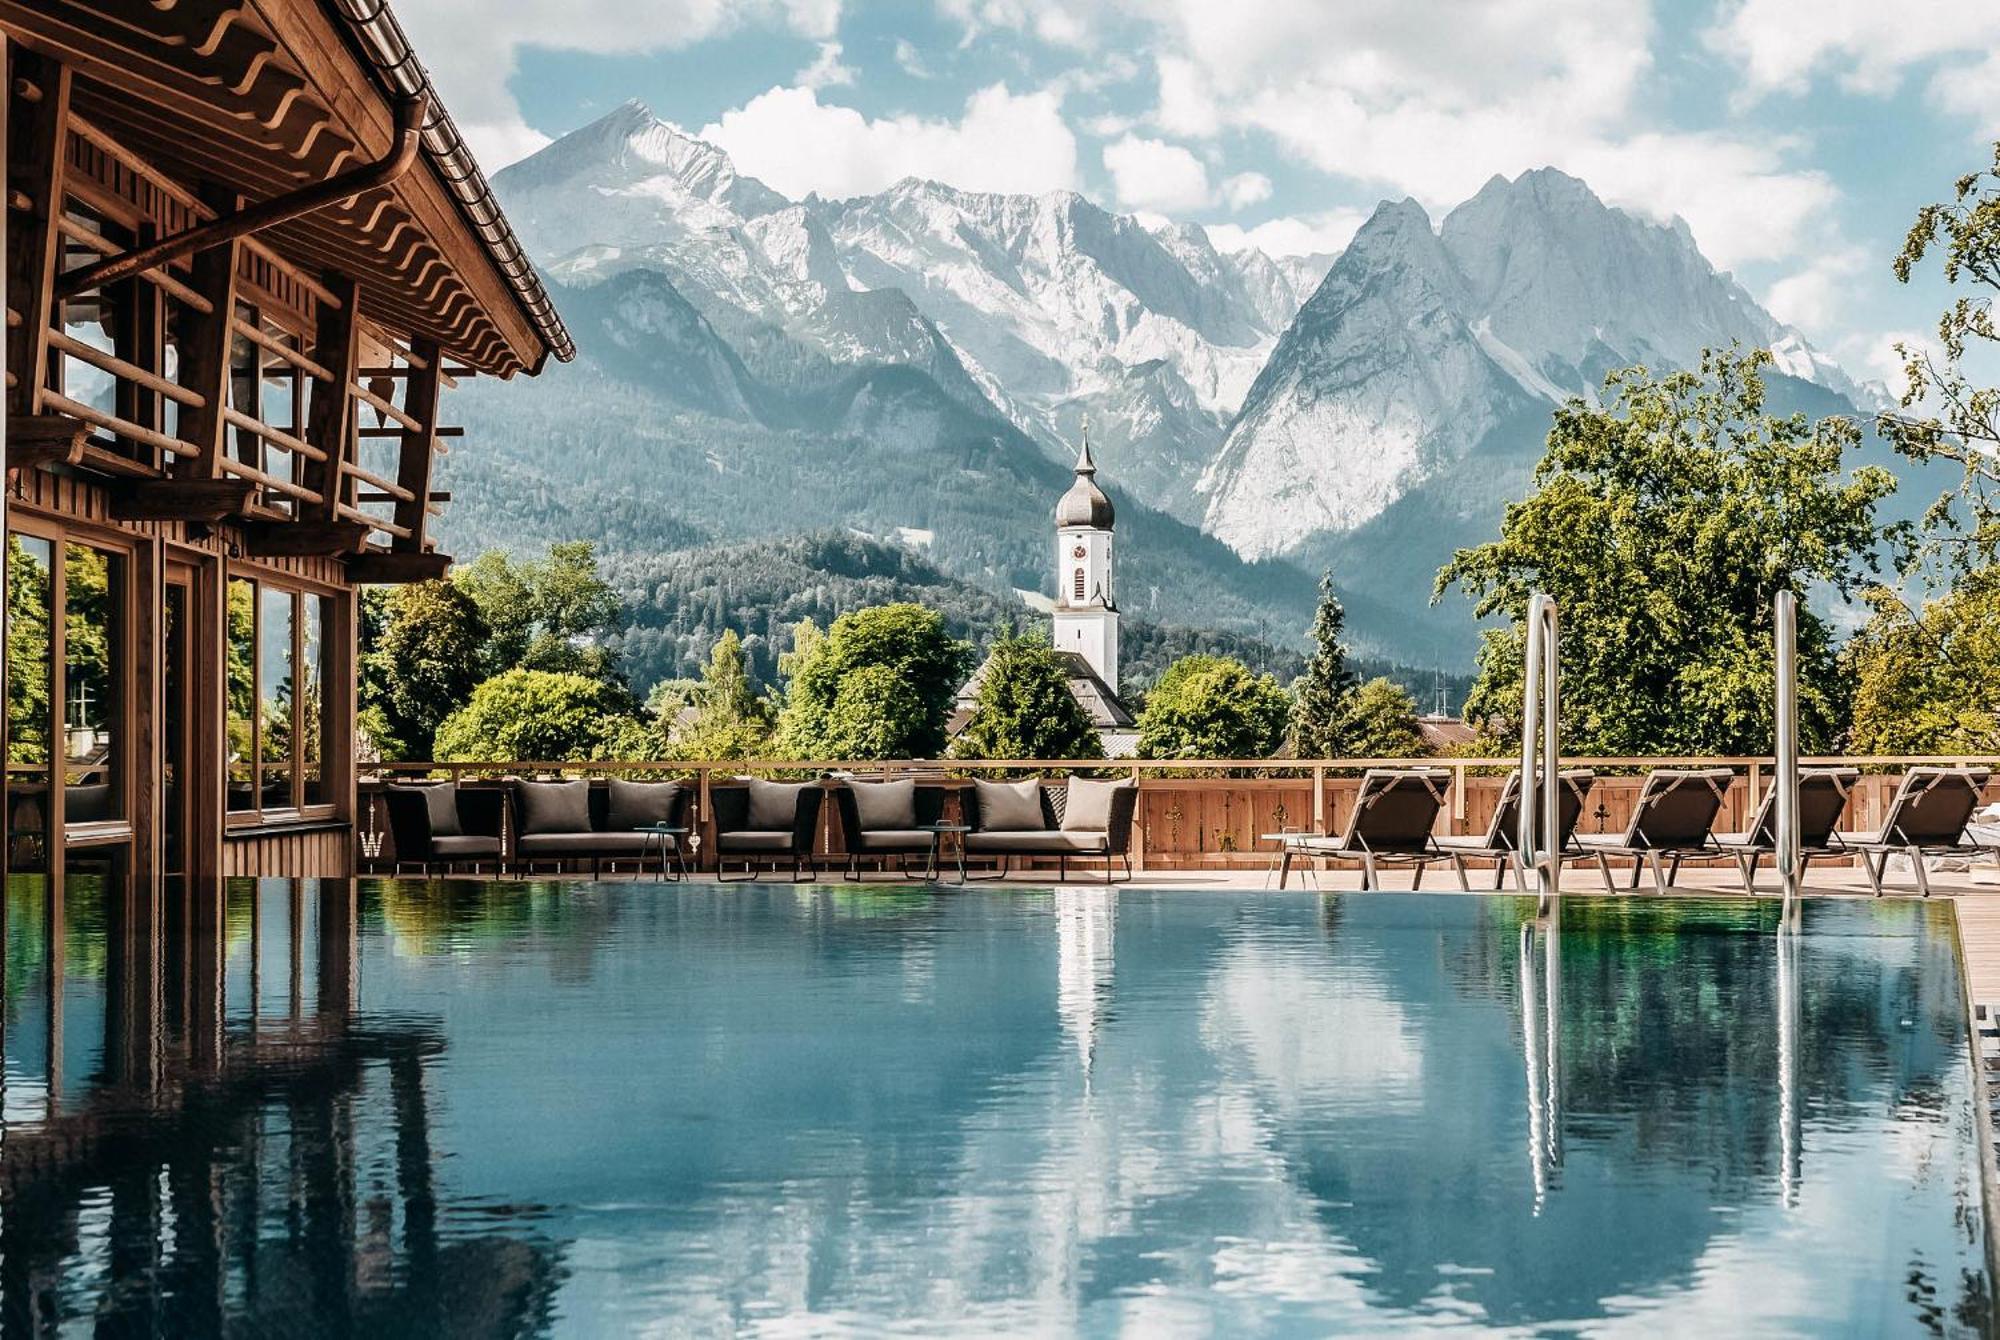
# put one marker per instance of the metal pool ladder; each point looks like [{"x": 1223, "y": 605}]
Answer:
[
  {"x": 1541, "y": 788},
  {"x": 1785, "y": 816}
]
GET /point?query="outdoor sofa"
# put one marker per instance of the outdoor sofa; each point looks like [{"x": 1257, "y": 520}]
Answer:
[
  {"x": 883, "y": 821},
  {"x": 574, "y": 821},
  {"x": 766, "y": 823},
  {"x": 1083, "y": 818},
  {"x": 440, "y": 825}
]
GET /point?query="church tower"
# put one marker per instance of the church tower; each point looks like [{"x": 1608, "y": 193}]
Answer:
[{"x": 1086, "y": 610}]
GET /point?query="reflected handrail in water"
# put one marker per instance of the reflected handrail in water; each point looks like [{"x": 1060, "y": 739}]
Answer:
[{"x": 1541, "y": 1047}]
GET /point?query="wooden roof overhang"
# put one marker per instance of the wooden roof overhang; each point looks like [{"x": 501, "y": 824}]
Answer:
[{"x": 264, "y": 97}]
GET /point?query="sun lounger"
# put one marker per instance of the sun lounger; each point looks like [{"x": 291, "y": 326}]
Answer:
[
  {"x": 1394, "y": 813},
  {"x": 1497, "y": 843},
  {"x": 1673, "y": 819},
  {"x": 1929, "y": 816},
  {"x": 1823, "y": 796}
]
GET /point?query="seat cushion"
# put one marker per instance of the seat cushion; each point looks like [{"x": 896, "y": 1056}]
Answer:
[
  {"x": 774, "y": 805},
  {"x": 1009, "y": 807},
  {"x": 632, "y": 805},
  {"x": 588, "y": 844},
  {"x": 1088, "y": 809},
  {"x": 1044, "y": 842},
  {"x": 554, "y": 807},
  {"x": 892, "y": 839},
  {"x": 460, "y": 848},
  {"x": 881, "y": 806},
  {"x": 745, "y": 840}
]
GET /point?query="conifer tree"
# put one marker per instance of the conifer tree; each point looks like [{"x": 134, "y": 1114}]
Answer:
[{"x": 1323, "y": 696}]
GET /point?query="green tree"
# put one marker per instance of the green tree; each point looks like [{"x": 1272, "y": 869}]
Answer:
[
  {"x": 1663, "y": 523},
  {"x": 548, "y": 613},
  {"x": 1924, "y": 681},
  {"x": 1213, "y": 707},
  {"x": 1024, "y": 708},
  {"x": 730, "y": 719},
  {"x": 1381, "y": 722},
  {"x": 899, "y": 709},
  {"x": 536, "y": 716},
  {"x": 1321, "y": 699},
  {"x": 426, "y": 661},
  {"x": 28, "y": 647}
]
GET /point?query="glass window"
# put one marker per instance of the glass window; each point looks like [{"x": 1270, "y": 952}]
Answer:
[
  {"x": 275, "y": 726},
  {"x": 92, "y": 683},
  {"x": 30, "y": 623},
  {"x": 242, "y": 694},
  {"x": 312, "y": 697}
]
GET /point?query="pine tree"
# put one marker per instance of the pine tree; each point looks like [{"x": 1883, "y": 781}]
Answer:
[{"x": 1323, "y": 697}]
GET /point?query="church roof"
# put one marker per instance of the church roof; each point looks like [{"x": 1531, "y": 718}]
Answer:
[
  {"x": 1106, "y": 710},
  {"x": 1085, "y": 503}
]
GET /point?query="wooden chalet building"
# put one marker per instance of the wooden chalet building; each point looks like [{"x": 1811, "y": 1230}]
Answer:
[{"x": 245, "y": 251}]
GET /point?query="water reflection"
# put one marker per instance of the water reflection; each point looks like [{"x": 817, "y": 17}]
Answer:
[{"x": 485, "y": 1109}]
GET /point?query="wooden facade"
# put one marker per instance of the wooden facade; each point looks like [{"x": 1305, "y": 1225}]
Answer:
[{"x": 246, "y": 254}]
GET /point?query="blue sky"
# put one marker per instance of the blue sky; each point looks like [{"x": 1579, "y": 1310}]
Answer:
[{"x": 1797, "y": 137}]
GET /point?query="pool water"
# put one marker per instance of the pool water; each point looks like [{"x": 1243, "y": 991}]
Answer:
[{"x": 490, "y": 1109}]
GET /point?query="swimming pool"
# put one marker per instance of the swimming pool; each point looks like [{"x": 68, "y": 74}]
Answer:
[{"x": 592, "y": 1108}]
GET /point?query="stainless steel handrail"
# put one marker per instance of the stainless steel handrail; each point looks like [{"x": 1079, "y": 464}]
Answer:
[
  {"x": 1541, "y": 751},
  {"x": 1785, "y": 813}
]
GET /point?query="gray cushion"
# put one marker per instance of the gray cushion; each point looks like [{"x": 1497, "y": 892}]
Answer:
[
  {"x": 892, "y": 839},
  {"x": 885, "y": 805},
  {"x": 1046, "y": 842},
  {"x": 641, "y": 804},
  {"x": 1089, "y": 807},
  {"x": 750, "y": 840},
  {"x": 1009, "y": 807},
  {"x": 589, "y": 844},
  {"x": 554, "y": 807},
  {"x": 773, "y": 804},
  {"x": 442, "y": 802},
  {"x": 457, "y": 848}
]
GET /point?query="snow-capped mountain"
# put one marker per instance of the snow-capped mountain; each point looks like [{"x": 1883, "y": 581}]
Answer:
[{"x": 1422, "y": 341}]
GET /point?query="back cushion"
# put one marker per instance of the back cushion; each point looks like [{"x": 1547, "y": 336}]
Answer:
[
  {"x": 881, "y": 806},
  {"x": 772, "y": 805},
  {"x": 443, "y": 802},
  {"x": 641, "y": 804},
  {"x": 1089, "y": 807},
  {"x": 554, "y": 807},
  {"x": 1009, "y": 807}
]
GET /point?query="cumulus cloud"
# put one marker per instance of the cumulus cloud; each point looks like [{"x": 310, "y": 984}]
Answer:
[
  {"x": 1866, "y": 46},
  {"x": 1246, "y": 189},
  {"x": 1293, "y": 235},
  {"x": 1004, "y": 142},
  {"x": 1153, "y": 174},
  {"x": 472, "y": 47},
  {"x": 826, "y": 70},
  {"x": 1811, "y": 297}
]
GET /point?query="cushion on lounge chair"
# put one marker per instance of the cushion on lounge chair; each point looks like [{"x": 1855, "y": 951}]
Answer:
[
  {"x": 554, "y": 807},
  {"x": 641, "y": 804},
  {"x": 881, "y": 806},
  {"x": 774, "y": 805},
  {"x": 1089, "y": 807},
  {"x": 589, "y": 844},
  {"x": 459, "y": 848},
  {"x": 441, "y": 799},
  {"x": 1044, "y": 842},
  {"x": 750, "y": 840},
  {"x": 1009, "y": 807},
  {"x": 892, "y": 839}
]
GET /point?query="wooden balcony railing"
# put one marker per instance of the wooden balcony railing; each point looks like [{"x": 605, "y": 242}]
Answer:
[{"x": 1193, "y": 814}]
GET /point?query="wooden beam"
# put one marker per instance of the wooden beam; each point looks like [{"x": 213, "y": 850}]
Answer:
[
  {"x": 395, "y": 569},
  {"x": 298, "y": 539},
  {"x": 205, "y": 500},
  {"x": 330, "y": 425},
  {"x": 413, "y": 467},
  {"x": 42, "y": 440},
  {"x": 36, "y": 165},
  {"x": 206, "y": 338}
]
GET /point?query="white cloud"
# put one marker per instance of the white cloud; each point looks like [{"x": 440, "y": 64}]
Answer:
[
  {"x": 1004, "y": 142},
  {"x": 1972, "y": 91},
  {"x": 471, "y": 47},
  {"x": 1301, "y": 235},
  {"x": 1812, "y": 297},
  {"x": 1866, "y": 45},
  {"x": 1152, "y": 174},
  {"x": 826, "y": 70},
  {"x": 1054, "y": 22},
  {"x": 910, "y": 60},
  {"x": 1246, "y": 189}
]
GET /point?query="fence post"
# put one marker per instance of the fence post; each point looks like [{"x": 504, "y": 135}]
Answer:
[
  {"x": 705, "y": 824},
  {"x": 1319, "y": 797}
]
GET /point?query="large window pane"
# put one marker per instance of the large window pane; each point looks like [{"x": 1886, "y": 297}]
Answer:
[
  {"x": 242, "y": 695},
  {"x": 274, "y": 691},
  {"x": 93, "y": 680},
  {"x": 30, "y": 720},
  {"x": 312, "y": 696}
]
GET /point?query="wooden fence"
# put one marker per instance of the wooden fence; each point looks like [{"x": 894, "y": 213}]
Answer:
[{"x": 1193, "y": 814}]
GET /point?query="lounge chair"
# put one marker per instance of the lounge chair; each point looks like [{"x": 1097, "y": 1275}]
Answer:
[
  {"x": 883, "y": 820},
  {"x": 1498, "y": 843},
  {"x": 1084, "y": 818},
  {"x": 767, "y": 822},
  {"x": 1928, "y": 817},
  {"x": 575, "y": 821},
  {"x": 1394, "y": 813},
  {"x": 439, "y": 826},
  {"x": 1823, "y": 796},
  {"x": 1674, "y": 818}
]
